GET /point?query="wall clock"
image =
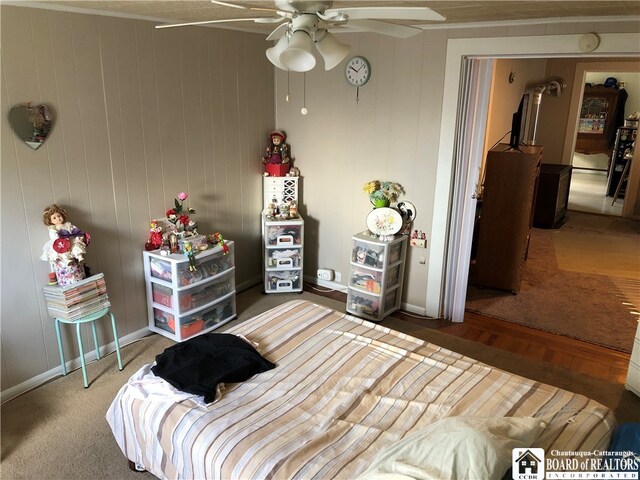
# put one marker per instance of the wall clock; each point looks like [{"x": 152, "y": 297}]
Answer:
[{"x": 357, "y": 71}]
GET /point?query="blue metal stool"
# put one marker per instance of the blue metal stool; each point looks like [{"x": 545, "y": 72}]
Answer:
[{"x": 89, "y": 318}]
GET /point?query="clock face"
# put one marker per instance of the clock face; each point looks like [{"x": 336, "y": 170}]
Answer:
[{"x": 357, "y": 71}]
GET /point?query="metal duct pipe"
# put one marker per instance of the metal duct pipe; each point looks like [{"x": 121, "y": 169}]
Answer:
[{"x": 552, "y": 87}]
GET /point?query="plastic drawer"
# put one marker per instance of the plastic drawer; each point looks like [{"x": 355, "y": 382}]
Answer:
[
  {"x": 198, "y": 296},
  {"x": 390, "y": 300},
  {"x": 283, "y": 235},
  {"x": 393, "y": 276},
  {"x": 205, "y": 268},
  {"x": 283, "y": 258},
  {"x": 190, "y": 329},
  {"x": 160, "y": 269},
  {"x": 283, "y": 280},
  {"x": 212, "y": 315},
  {"x": 363, "y": 303},
  {"x": 162, "y": 295},
  {"x": 395, "y": 252},
  {"x": 365, "y": 279},
  {"x": 164, "y": 320},
  {"x": 367, "y": 254}
]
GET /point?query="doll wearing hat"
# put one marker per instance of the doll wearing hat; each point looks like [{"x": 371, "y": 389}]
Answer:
[{"x": 277, "y": 151}]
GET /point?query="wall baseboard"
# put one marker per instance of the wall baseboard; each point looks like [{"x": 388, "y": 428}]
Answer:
[{"x": 34, "y": 382}]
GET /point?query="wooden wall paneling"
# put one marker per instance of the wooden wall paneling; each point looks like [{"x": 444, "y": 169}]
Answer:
[
  {"x": 218, "y": 125},
  {"x": 128, "y": 165},
  {"x": 49, "y": 93},
  {"x": 144, "y": 49},
  {"x": 192, "y": 106},
  {"x": 69, "y": 123},
  {"x": 51, "y": 178},
  {"x": 119, "y": 231},
  {"x": 260, "y": 99},
  {"x": 242, "y": 200},
  {"x": 230, "y": 188},
  {"x": 170, "y": 113},
  {"x": 21, "y": 186},
  {"x": 97, "y": 215},
  {"x": 205, "y": 214}
]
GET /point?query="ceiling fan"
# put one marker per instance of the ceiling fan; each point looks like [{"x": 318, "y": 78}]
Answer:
[{"x": 304, "y": 24}]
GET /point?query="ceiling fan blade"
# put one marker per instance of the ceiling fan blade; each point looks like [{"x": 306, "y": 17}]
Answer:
[
  {"x": 206, "y": 22},
  {"x": 386, "y": 13},
  {"x": 383, "y": 28},
  {"x": 259, "y": 9},
  {"x": 278, "y": 32}
]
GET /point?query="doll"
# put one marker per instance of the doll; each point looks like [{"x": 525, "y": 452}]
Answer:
[
  {"x": 66, "y": 241},
  {"x": 155, "y": 236},
  {"x": 277, "y": 151}
]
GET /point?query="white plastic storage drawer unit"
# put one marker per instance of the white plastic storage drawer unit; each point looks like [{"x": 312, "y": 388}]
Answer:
[
  {"x": 183, "y": 302},
  {"x": 376, "y": 275},
  {"x": 283, "y": 253}
]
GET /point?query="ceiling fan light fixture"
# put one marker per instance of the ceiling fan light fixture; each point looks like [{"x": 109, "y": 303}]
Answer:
[
  {"x": 298, "y": 56},
  {"x": 273, "y": 53},
  {"x": 333, "y": 51}
]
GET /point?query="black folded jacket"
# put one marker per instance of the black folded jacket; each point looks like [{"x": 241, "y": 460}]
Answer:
[{"x": 199, "y": 364}]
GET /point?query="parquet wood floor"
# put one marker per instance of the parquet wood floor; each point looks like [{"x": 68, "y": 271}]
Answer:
[{"x": 578, "y": 356}]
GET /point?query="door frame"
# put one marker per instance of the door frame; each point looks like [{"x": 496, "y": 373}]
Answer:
[
  {"x": 446, "y": 286},
  {"x": 631, "y": 194}
]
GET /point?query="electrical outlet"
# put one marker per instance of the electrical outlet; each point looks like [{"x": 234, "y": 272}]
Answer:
[
  {"x": 325, "y": 274},
  {"x": 338, "y": 277}
]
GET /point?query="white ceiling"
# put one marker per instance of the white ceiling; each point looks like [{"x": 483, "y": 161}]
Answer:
[{"x": 456, "y": 12}]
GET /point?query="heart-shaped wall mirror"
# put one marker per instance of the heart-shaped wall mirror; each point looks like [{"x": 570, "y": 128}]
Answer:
[{"x": 32, "y": 123}]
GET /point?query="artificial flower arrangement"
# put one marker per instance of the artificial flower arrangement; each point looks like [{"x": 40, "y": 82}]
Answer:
[
  {"x": 179, "y": 215},
  {"x": 382, "y": 193}
]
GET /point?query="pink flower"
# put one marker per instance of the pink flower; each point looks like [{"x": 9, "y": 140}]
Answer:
[{"x": 183, "y": 196}]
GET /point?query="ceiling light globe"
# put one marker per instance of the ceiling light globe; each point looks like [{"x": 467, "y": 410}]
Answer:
[
  {"x": 298, "y": 56},
  {"x": 333, "y": 51},
  {"x": 273, "y": 53}
]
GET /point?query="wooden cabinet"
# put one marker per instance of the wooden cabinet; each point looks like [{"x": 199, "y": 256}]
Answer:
[
  {"x": 376, "y": 275},
  {"x": 504, "y": 226},
  {"x": 552, "y": 196},
  {"x": 597, "y": 123}
]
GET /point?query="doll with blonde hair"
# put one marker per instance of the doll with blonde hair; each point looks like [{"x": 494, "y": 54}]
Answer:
[{"x": 66, "y": 241}]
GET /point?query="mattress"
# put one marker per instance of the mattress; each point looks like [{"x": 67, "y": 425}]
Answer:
[{"x": 343, "y": 390}]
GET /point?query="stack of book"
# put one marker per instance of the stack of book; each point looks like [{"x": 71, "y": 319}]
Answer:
[{"x": 77, "y": 300}]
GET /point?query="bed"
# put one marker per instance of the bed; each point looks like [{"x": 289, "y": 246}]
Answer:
[{"x": 344, "y": 391}]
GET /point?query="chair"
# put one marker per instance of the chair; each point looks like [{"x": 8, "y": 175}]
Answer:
[{"x": 92, "y": 319}]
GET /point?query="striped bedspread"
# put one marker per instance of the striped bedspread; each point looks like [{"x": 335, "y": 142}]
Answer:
[{"x": 343, "y": 389}]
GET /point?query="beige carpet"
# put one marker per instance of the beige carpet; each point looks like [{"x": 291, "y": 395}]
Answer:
[
  {"x": 579, "y": 281},
  {"x": 59, "y": 431}
]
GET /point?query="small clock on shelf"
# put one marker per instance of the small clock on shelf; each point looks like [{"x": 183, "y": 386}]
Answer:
[{"x": 357, "y": 71}]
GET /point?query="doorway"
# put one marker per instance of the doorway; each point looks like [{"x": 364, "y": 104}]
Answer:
[
  {"x": 592, "y": 187},
  {"x": 447, "y": 277}
]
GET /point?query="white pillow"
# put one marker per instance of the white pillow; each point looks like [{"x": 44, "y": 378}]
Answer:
[{"x": 457, "y": 448}]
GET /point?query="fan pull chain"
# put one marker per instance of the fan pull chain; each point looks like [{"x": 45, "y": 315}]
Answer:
[
  {"x": 304, "y": 110},
  {"x": 287, "y": 97}
]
